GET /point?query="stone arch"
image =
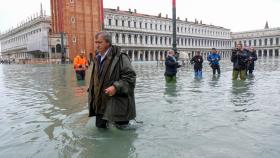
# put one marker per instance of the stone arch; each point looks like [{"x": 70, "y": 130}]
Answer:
[
  {"x": 276, "y": 52},
  {"x": 270, "y": 52},
  {"x": 260, "y": 53},
  {"x": 265, "y": 52},
  {"x": 146, "y": 55}
]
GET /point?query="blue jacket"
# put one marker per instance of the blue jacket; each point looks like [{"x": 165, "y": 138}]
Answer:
[
  {"x": 171, "y": 66},
  {"x": 214, "y": 59}
]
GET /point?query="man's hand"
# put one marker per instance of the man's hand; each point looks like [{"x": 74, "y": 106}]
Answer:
[{"x": 111, "y": 91}]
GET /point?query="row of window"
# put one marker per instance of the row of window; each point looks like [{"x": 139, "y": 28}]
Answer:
[
  {"x": 266, "y": 42},
  {"x": 22, "y": 37},
  {"x": 168, "y": 40},
  {"x": 163, "y": 27}
]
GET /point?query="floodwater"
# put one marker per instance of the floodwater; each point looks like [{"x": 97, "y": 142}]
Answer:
[{"x": 43, "y": 113}]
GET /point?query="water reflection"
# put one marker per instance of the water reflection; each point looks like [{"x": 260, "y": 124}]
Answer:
[{"x": 243, "y": 96}]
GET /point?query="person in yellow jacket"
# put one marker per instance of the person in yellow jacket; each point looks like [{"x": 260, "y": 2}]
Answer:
[{"x": 80, "y": 65}]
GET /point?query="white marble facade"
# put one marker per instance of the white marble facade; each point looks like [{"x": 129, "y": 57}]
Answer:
[
  {"x": 147, "y": 38},
  {"x": 265, "y": 41},
  {"x": 29, "y": 40}
]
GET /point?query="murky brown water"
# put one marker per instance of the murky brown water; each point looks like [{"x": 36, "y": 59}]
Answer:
[{"x": 44, "y": 114}]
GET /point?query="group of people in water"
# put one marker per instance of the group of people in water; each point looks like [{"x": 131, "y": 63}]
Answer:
[
  {"x": 112, "y": 83},
  {"x": 243, "y": 60}
]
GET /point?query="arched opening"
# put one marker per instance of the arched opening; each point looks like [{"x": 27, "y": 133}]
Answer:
[
  {"x": 270, "y": 52},
  {"x": 276, "y": 52},
  {"x": 58, "y": 48},
  {"x": 130, "y": 54},
  {"x": 156, "y": 54},
  {"x": 259, "y": 53},
  {"x": 152, "y": 55},
  {"x": 146, "y": 56},
  {"x": 141, "y": 56},
  {"x": 53, "y": 50},
  {"x": 265, "y": 53}
]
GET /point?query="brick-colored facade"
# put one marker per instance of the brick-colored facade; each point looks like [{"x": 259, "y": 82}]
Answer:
[{"x": 79, "y": 20}]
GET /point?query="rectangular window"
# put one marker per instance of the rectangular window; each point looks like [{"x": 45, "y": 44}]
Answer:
[
  {"x": 128, "y": 23},
  {"x": 110, "y": 22},
  {"x": 116, "y": 22},
  {"x": 151, "y": 26},
  {"x": 277, "y": 41},
  {"x": 123, "y": 23},
  {"x": 135, "y": 24},
  {"x": 255, "y": 42},
  {"x": 140, "y": 24},
  {"x": 146, "y": 25}
]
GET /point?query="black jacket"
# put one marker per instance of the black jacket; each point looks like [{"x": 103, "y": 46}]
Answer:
[
  {"x": 251, "y": 61},
  {"x": 197, "y": 61},
  {"x": 239, "y": 58},
  {"x": 171, "y": 66}
]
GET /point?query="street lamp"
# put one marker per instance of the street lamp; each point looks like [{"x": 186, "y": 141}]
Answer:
[{"x": 174, "y": 44}]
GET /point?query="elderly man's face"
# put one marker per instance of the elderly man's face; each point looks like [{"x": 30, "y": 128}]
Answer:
[{"x": 101, "y": 44}]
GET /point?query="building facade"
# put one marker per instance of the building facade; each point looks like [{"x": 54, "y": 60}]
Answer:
[
  {"x": 147, "y": 38},
  {"x": 79, "y": 21},
  {"x": 265, "y": 41},
  {"x": 28, "y": 40}
]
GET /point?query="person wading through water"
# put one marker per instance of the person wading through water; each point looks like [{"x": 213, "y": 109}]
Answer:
[{"x": 112, "y": 83}]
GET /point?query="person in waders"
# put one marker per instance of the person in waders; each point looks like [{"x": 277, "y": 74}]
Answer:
[
  {"x": 214, "y": 59},
  {"x": 239, "y": 58},
  {"x": 197, "y": 60},
  {"x": 80, "y": 66},
  {"x": 171, "y": 66}
]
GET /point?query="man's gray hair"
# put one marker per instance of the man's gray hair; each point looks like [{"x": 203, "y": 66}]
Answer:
[{"x": 107, "y": 36}]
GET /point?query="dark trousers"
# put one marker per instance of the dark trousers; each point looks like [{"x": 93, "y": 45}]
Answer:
[
  {"x": 80, "y": 74},
  {"x": 101, "y": 123},
  {"x": 216, "y": 68}
]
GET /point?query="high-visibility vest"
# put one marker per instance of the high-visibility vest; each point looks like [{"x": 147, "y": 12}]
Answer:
[{"x": 80, "y": 61}]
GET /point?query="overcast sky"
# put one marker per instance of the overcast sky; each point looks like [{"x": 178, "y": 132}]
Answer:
[{"x": 237, "y": 15}]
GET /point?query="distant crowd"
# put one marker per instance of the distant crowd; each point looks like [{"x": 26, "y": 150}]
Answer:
[{"x": 243, "y": 60}]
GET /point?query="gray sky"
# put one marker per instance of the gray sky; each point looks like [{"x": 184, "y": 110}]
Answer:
[{"x": 237, "y": 15}]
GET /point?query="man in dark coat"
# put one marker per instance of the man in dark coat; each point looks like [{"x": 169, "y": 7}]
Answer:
[
  {"x": 239, "y": 58},
  {"x": 112, "y": 83},
  {"x": 171, "y": 65},
  {"x": 252, "y": 57}
]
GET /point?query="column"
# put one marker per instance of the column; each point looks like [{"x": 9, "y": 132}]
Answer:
[
  {"x": 113, "y": 38},
  {"x": 273, "y": 52},
  {"x": 133, "y": 51},
  {"x": 132, "y": 39},
  {"x": 154, "y": 55},
  {"x": 149, "y": 40},
  {"x": 126, "y": 38},
  {"x": 138, "y": 40},
  {"x": 149, "y": 55},
  {"x": 138, "y": 54}
]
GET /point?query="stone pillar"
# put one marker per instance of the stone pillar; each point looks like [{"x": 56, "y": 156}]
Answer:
[
  {"x": 149, "y": 55},
  {"x": 132, "y": 40},
  {"x": 132, "y": 56},
  {"x": 144, "y": 55},
  {"x": 138, "y": 54},
  {"x": 126, "y": 39},
  {"x": 138, "y": 40},
  {"x": 273, "y": 52},
  {"x": 149, "y": 40},
  {"x": 154, "y": 55},
  {"x": 113, "y": 38}
]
